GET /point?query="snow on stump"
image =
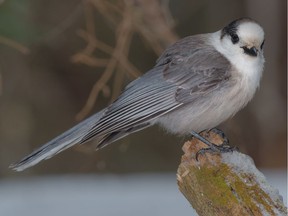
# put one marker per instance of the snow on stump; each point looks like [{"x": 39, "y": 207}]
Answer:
[{"x": 226, "y": 183}]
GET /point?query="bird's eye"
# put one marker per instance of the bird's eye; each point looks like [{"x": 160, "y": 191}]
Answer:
[
  {"x": 262, "y": 45},
  {"x": 234, "y": 38}
]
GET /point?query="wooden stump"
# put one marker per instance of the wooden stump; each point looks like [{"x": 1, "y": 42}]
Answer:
[{"x": 226, "y": 183}]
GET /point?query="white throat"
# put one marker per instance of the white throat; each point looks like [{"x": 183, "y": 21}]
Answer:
[{"x": 249, "y": 67}]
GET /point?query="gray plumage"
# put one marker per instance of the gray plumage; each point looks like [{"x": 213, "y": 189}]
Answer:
[
  {"x": 193, "y": 86},
  {"x": 176, "y": 81}
]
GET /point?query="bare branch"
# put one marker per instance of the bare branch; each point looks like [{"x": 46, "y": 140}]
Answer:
[
  {"x": 11, "y": 43},
  {"x": 148, "y": 18},
  {"x": 124, "y": 32}
]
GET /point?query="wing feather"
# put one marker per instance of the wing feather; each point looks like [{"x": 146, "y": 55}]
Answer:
[
  {"x": 136, "y": 106},
  {"x": 185, "y": 72}
]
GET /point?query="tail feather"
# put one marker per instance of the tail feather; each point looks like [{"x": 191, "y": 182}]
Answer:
[{"x": 58, "y": 144}]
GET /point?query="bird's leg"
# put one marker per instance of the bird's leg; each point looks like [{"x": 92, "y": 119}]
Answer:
[{"x": 213, "y": 148}]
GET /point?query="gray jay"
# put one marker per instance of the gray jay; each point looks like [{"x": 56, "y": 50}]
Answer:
[{"x": 196, "y": 84}]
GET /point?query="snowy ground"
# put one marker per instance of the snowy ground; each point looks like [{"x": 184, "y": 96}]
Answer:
[{"x": 105, "y": 195}]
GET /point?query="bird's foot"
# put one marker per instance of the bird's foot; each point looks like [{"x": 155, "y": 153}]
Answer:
[
  {"x": 216, "y": 149},
  {"x": 213, "y": 148},
  {"x": 221, "y": 134}
]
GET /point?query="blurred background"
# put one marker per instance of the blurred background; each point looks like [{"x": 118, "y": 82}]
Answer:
[{"x": 61, "y": 61}]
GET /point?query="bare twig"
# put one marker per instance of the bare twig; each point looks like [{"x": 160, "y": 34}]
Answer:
[
  {"x": 129, "y": 68},
  {"x": 145, "y": 17},
  {"x": 124, "y": 33},
  {"x": 11, "y": 43},
  {"x": 66, "y": 22}
]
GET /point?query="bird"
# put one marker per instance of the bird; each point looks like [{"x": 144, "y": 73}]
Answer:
[{"x": 197, "y": 83}]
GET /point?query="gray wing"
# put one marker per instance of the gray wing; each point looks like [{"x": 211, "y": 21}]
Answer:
[
  {"x": 197, "y": 73},
  {"x": 142, "y": 101},
  {"x": 186, "y": 71}
]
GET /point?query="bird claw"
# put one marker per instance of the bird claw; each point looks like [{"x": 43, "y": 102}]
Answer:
[
  {"x": 223, "y": 148},
  {"x": 213, "y": 148}
]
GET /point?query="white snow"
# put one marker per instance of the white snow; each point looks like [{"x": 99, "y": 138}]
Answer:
[
  {"x": 242, "y": 163},
  {"x": 103, "y": 195}
]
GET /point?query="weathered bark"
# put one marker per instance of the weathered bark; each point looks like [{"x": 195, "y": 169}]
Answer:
[{"x": 225, "y": 184}]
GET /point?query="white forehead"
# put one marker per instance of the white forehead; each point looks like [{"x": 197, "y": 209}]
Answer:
[{"x": 251, "y": 31}]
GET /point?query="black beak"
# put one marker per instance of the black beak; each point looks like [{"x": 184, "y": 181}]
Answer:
[{"x": 250, "y": 51}]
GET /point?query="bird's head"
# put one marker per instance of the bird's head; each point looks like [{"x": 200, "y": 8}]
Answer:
[{"x": 245, "y": 36}]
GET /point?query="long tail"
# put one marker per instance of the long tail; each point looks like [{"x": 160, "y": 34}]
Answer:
[{"x": 58, "y": 144}]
